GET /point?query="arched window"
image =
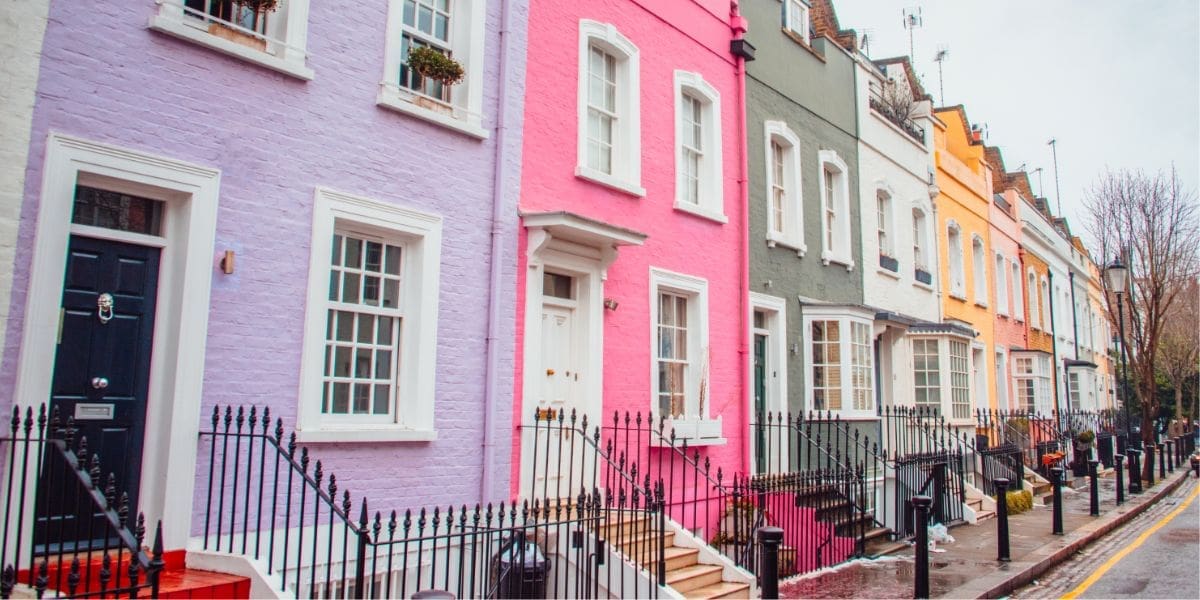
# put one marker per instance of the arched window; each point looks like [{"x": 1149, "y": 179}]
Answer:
[
  {"x": 954, "y": 246},
  {"x": 1031, "y": 289},
  {"x": 883, "y": 222},
  {"x": 835, "y": 209},
  {"x": 1046, "y": 306},
  {"x": 1018, "y": 296},
  {"x": 785, "y": 219},
  {"x": 609, "y": 135},
  {"x": 698, "y": 147},
  {"x": 979, "y": 270},
  {"x": 1001, "y": 274}
]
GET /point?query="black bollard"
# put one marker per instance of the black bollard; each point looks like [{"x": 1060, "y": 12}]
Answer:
[
  {"x": 1196, "y": 466},
  {"x": 1170, "y": 456},
  {"x": 1002, "y": 550},
  {"x": 1135, "y": 471},
  {"x": 1117, "y": 460},
  {"x": 1056, "y": 479},
  {"x": 770, "y": 538},
  {"x": 1094, "y": 476},
  {"x": 921, "y": 582},
  {"x": 1162, "y": 462},
  {"x": 1149, "y": 458}
]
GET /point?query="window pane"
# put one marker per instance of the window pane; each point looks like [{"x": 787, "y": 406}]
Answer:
[
  {"x": 366, "y": 328},
  {"x": 385, "y": 331},
  {"x": 382, "y": 399},
  {"x": 345, "y": 325},
  {"x": 392, "y": 260},
  {"x": 362, "y": 364},
  {"x": 353, "y": 255},
  {"x": 341, "y": 398},
  {"x": 362, "y": 398},
  {"x": 350, "y": 287},
  {"x": 383, "y": 364},
  {"x": 374, "y": 256},
  {"x": 371, "y": 291},
  {"x": 341, "y": 362},
  {"x": 112, "y": 210}
]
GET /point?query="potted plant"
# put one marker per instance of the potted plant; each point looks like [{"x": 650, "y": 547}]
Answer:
[
  {"x": 435, "y": 65},
  {"x": 1084, "y": 439},
  {"x": 888, "y": 262},
  {"x": 246, "y": 14}
]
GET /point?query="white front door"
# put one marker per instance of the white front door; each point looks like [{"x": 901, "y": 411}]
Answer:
[{"x": 560, "y": 376}]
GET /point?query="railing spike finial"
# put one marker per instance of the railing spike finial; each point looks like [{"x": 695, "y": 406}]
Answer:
[
  {"x": 110, "y": 488},
  {"x": 228, "y": 418},
  {"x": 123, "y": 510},
  {"x": 139, "y": 530},
  {"x": 291, "y": 447},
  {"x": 16, "y": 420},
  {"x": 266, "y": 419},
  {"x": 346, "y": 504},
  {"x": 216, "y": 417},
  {"x": 253, "y": 420},
  {"x": 303, "y": 460}
]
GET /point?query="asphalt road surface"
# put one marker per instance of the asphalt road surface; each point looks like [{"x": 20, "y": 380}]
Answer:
[{"x": 1157, "y": 555}]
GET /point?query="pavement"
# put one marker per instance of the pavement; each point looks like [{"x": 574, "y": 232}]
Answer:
[{"x": 968, "y": 568}]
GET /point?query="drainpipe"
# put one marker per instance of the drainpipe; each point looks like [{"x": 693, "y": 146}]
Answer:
[
  {"x": 495, "y": 265},
  {"x": 738, "y": 24}
]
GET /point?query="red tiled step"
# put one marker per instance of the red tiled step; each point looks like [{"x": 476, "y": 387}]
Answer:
[{"x": 176, "y": 580}]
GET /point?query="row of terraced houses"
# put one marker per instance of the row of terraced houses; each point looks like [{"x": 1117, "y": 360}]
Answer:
[{"x": 645, "y": 262}]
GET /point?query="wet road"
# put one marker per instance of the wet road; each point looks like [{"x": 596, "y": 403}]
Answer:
[{"x": 1157, "y": 555}]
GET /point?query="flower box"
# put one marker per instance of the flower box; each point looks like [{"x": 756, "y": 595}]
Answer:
[
  {"x": 889, "y": 263},
  {"x": 923, "y": 276}
]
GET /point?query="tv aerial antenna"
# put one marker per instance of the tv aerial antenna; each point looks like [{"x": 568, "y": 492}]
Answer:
[
  {"x": 940, "y": 58},
  {"x": 912, "y": 20}
]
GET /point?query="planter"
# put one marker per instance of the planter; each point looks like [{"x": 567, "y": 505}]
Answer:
[
  {"x": 433, "y": 104},
  {"x": 923, "y": 276},
  {"x": 226, "y": 32},
  {"x": 889, "y": 263}
]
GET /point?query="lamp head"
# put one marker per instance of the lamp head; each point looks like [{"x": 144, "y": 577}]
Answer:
[{"x": 1116, "y": 274}]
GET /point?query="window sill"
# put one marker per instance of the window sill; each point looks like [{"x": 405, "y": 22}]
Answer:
[
  {"x": 701, "y": 211},
  {"x": 697, "y": 432},
  {"x": 958, "y": 296},
  {"x": 196, "y": 35},
  {"x": 981, "y": 304},
  {"x": 392, "y": 99},
  {"x": 923, "y": 286},
  {"x": 888, "y": 273},
  {"x": 828, "y": 258},
  {"x": 364, "y": 434},
  {"x": 800, "y": 248},
  {"x": 609, "y": 181}
]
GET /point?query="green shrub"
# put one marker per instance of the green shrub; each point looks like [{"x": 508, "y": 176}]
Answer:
[
  {"x": 1019, "y": 501},
  {"x": 433, "y": 64},
  {"x": 1086, "y": 437}
]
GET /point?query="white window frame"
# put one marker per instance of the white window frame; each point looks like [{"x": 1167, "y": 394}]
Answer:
[
  {"x": 885, "y": 231},
  {"x": 961, "y": 382},
  {"x": 695, "y": 425},
  {"x": 421, "y": 235},
  {"x": 1000, "y": 271},
  {"x": 979, "y": 269},
  {"x": 955, "y": 251},
  {"x": 790, "y": 8},
  {"x": 836, "y": 245},
  {"x": 1038, "y": 373},
  {"x": 999, "y": 368},
  {"x": 464, "y": 111},
  {"x": 846, "y": 322},
  {"x": 710, "y": 202},
  {"x": 626, "y": 173},
  {"x": 921, "y": 246},
  {"x": 1018, "y": 291},
  {"x": 286, "y": 36},
  {"x": 1033, "y": 296},
  {"x": 791, "y": 232},
  {"x": 1047, "y": 305},
  {"x": 928, "y": 387}
]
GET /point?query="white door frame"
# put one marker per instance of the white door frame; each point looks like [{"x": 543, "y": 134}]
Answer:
[
  {"x": 181, "y": 324},
  {"x": 776, "y": 387}
]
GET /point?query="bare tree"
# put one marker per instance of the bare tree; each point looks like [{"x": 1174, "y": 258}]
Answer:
[
  {"x": 1179, "y": 352},
  {"x": 1152, "y": 224}
]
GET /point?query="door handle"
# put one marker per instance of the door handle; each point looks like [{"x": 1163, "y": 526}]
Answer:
[{"x": 99, "y": 383}]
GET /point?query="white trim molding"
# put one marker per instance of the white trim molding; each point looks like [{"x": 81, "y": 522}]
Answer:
[
  {"x": 710, "y": 185},
  {"x": 464, "y": 110},
  {"x": 695, "y": 425},
  {"x": 421, "y": 236},
  {"x": 791, "y": 232},
  {"x": 836, "y": 245},
  {"x": 285, "y": 39},
  {"x": 625, "y": 174},
  {"x": 190, "y": 193}
]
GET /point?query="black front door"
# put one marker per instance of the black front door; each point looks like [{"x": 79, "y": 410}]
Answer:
[
  {"x": 760, "y": 403},
  {"x": 102, "y": 365}
]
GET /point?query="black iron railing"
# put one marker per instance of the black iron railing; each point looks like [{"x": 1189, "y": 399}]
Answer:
[
  {"x": 64, "y": 531},
  {"x": 1003, "y": 461},
  {"x": 269, "y": 499}
]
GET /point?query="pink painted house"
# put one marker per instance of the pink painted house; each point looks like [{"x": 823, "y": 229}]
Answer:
[
  {"x": 630, "y": 280},
  {"x": 1005, "y": 222}
]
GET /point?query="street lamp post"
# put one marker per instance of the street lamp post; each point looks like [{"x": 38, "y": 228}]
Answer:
[{"x": 1116, "y": 274}]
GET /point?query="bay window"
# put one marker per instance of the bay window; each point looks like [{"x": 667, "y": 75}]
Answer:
[
  {"x": 840, "y": 352},
  {"x": 1031, "y": 377}
]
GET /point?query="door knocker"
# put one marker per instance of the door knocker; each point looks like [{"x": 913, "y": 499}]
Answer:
[{"x": 104, "y": 308}]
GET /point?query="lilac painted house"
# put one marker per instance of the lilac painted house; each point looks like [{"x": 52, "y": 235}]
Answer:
[{"x": 231, "y": 207}]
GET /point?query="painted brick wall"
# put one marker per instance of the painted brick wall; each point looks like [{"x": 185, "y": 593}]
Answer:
[
  {"x": 670, "y": 35},
  {"x": 106, "y": 77},
  {"x": 22, "y": 24}
]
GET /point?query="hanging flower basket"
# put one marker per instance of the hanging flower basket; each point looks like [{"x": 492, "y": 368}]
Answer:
[{"x": 430, "y": 63}]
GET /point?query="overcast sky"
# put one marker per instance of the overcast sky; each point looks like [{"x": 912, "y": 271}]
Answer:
[{"x": 1116, "y": 83}]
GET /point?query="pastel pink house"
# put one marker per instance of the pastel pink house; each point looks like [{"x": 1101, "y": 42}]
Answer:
[{"x": 630, "y": 293}]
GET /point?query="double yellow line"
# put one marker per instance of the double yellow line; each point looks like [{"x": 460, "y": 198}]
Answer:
[{"x": 1111, "y": 562}]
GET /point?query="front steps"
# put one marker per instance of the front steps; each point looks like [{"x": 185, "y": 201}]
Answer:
[
  {"x": 175, "y": 581},
  {"x": 686, "y": 574}
]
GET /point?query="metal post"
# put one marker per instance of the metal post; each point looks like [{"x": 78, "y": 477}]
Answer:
[
  {"x": 1117, "y": 460},
  {"x": 1162, "y": 460},
  {"x": 1170, "y": 455},
  {"x": 1196, "y": 466},
  {"x": 1094, "y": 476},
  {"x": 1056, "y": 479},
  {"x": 1002, "y": 550},
  {"x": 921, "y": 582},
  {"x": 770, "y": 538},
  {"x": 1135, "y": 471},
  {"x": 1149, "y": 463}
]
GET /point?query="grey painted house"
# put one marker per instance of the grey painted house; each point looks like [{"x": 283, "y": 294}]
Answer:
[{"x": 813, "y": 338}]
